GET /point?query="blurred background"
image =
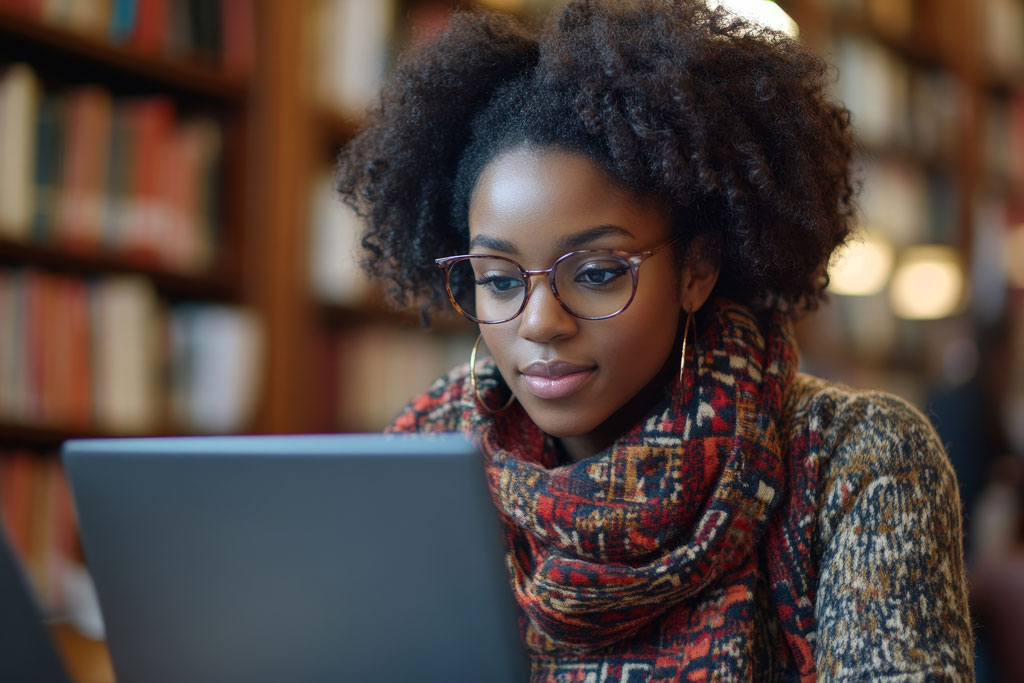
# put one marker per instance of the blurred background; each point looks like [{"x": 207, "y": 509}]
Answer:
[{"x": 173, "y": 260}]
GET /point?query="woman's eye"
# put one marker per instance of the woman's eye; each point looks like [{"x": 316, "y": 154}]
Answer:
[
  {"x": 499, "y": 283},
  {"x": 595, "y": 274}
]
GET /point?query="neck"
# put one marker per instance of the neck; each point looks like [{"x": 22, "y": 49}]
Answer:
[{"x": 587, "y": 445}]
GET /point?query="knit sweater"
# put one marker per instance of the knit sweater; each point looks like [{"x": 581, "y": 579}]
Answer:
[{"x": 891, "y": 603}]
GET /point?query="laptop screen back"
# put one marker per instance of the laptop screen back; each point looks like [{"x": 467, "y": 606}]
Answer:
[{"x": 356, "y": 557}]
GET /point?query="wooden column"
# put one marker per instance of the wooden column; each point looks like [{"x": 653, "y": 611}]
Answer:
[{"x": 277, "y": 272}]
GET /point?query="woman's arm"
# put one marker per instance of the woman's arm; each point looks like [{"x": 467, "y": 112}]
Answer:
[{"x": 892, "y": 597}]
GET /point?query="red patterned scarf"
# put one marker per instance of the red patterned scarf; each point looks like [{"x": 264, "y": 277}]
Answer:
[{"x": 682, "y": 552}]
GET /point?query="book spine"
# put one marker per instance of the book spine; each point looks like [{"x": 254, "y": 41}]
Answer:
[
  {"x": 19, "y": 104},
  {"x": 48, "y": 165}
]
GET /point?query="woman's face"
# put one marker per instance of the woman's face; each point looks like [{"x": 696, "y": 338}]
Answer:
[{"x": 571, "y": 375}]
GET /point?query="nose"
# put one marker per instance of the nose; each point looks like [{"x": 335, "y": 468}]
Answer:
[{"x": 543, "y": 319}]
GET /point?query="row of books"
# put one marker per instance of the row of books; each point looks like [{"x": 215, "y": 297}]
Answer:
[
  {"x": 220, "y": 31},
  {"x": 38, "y": 519},
  {"x": 351, "y": 42},
  {"x": 1003, "y": 141},
  {"x": 107, "y": 355},
  {"x": 896, "y": 105},
  {"x": 997, "y": 257},
  {"x": 378, "y": 368},
  {"x": 907, "y": 202},
  {"x": 933, "y": 30},
  {"x": 334, "y": 254},
  {"x": 89, "y": 170},
  {"x": 1002, "y": 24}
]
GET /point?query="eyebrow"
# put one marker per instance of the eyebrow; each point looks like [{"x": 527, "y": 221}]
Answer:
[
  {"x": 585, "y": 237},
  {"x": 494, "y": 244},
  {"x": 567, "y": 243}
]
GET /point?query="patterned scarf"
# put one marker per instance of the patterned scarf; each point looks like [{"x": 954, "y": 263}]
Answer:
[{"x": 682, "y": 552}]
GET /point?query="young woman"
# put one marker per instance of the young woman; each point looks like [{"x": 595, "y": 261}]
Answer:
[{"x": 633, "y": 204}]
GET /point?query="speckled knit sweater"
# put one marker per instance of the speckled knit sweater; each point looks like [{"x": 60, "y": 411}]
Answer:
[{"x": 891, "y": 601}]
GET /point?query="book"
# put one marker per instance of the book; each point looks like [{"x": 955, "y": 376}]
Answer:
[
  {"x": 146, "y": 219},
  {"x": 16, "y": 470},
  {"x": 336, "y": 276},
  {"x": 49, "y": 136},
  {"x": 238, "y": 36},
  {"x": 81, "y": 202},
  {"x": 20, "y": 92},
  {"x": 352, "y": 41},
  {"x": 216, "y": 357},
  {"x": 122, "y": 20},
  {"x": 873, "y": 84},
  {"x": 151, "y": 20},
  {"x": 126, "y": 353},
  {"x": 380, "y": 368}
]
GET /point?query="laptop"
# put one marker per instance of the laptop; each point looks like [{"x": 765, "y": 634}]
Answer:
[
  {"x": 296, "y": 558},
  {"x": 27, "y": 652}
]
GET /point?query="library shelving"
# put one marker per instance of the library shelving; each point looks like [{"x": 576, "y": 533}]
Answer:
[
  {"x": 127, "y": 243},
  {"x": 934, "y": 88}
]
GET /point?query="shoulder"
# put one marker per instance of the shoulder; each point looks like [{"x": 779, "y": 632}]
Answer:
[
  {"x": 869, "y": 430},
  {"x": 888, "y": 536},
  {"x": 865, "y": 442},
  {"x": 442, "y": 408}
]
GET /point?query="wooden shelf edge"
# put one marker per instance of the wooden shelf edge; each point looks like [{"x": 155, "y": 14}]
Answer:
[
  {"x": 15, "y": 434},
  {"x": 183, "y": 75},
  {"x": 213, "y": 284}
]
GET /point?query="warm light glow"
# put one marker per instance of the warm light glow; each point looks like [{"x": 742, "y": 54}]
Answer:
[
  {"x": 763, "y": 12},
  {"x": 1015, "y": 257},
  {"x": 928, "y": 283},
  {"x": 861, "y": 268}
]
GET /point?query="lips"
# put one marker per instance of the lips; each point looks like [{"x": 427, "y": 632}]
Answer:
[{"x": 555, "y": 379}]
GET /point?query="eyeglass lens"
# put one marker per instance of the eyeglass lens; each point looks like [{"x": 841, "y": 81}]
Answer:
[{"x": 590, "y": 285}]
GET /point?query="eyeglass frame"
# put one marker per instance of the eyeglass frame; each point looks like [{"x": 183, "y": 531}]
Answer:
[{"x": 633, "y": 259}]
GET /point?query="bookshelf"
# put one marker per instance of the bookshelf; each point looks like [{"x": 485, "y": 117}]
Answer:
[
  {"x": 127, "y": 247},
  {"x": 921, "y": 78}
]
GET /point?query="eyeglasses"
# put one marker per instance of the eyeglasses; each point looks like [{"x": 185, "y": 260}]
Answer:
[{"x": 592, "y": 284}]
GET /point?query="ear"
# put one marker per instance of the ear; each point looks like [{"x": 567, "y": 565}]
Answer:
[{"x": 696, "y": 281}]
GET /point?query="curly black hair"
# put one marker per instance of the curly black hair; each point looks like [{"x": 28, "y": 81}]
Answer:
[{"x": 727, "y": 124}]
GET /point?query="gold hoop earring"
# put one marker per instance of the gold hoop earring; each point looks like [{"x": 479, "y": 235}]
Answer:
[
  {"x": 686, "y": 333},
  {"x": 476, "y": 391}
]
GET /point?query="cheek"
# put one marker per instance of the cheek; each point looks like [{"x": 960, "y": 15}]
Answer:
[
  {"x": 498, "y": 342},
  {"x": 643, "y": 342}
]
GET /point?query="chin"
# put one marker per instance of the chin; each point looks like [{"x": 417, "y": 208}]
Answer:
[{"x": 560, "y": 426}]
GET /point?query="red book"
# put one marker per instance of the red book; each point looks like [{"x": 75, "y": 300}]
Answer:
[
  {"x": 79, "y": 380},
  {"x": 151, "y": 22},
  {"x": 148, "y": 223},
  {"x": 28, "y": 8},
  {"x": 15, "y": 498},
  {"x": 237, "y": 36},
  {"x": 82, "y": 196}
]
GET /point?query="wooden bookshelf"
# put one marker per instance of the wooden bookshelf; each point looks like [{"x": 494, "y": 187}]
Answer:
[
  {"x": 64, "y": 59},
  {"x": 84, "y": 56},
  {"x": 214, "y": 284},
  {"x": 944, "y": 39}
]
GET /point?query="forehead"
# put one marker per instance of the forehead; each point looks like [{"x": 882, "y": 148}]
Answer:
[{"x": 534, "y": 198}]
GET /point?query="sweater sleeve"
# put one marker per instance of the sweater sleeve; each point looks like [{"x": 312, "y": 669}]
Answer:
[{"x": 892, "y": 598}]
